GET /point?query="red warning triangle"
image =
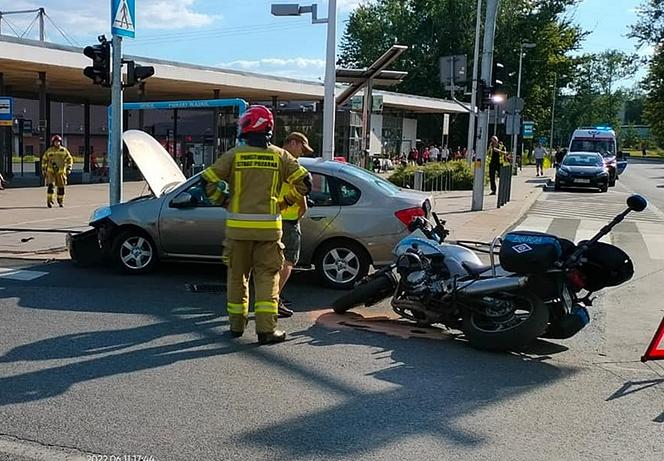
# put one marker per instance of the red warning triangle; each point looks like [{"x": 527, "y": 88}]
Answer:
[{"x": 656, "y": 349}]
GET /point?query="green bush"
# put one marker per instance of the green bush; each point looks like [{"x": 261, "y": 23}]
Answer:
[{"x": 454, "y": 175}]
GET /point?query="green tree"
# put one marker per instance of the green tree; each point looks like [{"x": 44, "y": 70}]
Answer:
[
  {"x": 649, "y": 30},
  {"x": 435, "y": 28}
]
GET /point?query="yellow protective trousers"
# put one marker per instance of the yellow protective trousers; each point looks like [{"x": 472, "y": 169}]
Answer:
[
  {"x": 53, "y": 181},
  {"x": 262, "y": 260}
]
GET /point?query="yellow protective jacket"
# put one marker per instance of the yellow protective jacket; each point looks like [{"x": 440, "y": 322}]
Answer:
[
  {"x": 256, "y": 176},
  {"x": 57, "y": 160},
  {"x": 501, "y": 151},
  {"x": 295, "y": 211}
]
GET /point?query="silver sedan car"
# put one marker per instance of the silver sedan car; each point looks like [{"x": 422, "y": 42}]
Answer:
[{"x": 354, "y": 219}]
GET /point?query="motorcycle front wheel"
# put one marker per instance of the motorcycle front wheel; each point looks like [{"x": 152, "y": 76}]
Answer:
[
  {"x": 525, "y": 318},
  {"x": 370, "y": 292}
]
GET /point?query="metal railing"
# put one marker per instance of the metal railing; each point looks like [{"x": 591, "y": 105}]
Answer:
[{"x": 438, "y": 181}]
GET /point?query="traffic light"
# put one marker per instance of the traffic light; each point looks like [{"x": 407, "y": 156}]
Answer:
[
  {"x": 137, "y": 73},
  {"x": 484, "y": 95},
  {"x": 100, "y": 71}
]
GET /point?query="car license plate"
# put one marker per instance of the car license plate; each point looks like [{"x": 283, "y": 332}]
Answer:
[{"x": 582, "y": 181}]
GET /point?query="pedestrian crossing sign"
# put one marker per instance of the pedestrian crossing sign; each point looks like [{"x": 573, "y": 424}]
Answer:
[
  {"x": 656, "y": 349},
  {"x": 123, "y": 18}
]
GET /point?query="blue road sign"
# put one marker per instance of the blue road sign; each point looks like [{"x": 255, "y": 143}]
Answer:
[
  {"x": 528, "y": 130},
  {"x": 6, "y": 111},
  {"x": 123, "y": 18}
]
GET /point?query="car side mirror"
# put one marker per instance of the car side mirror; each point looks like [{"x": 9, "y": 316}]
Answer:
[
  {"x": 184, "y": 200},
  {"x": 637, "y": 203}
]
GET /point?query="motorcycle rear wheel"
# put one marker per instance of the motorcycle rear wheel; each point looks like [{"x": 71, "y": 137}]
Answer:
[
  {"x": 368, "y": 293},
  {"x": 525, "y": 324}
]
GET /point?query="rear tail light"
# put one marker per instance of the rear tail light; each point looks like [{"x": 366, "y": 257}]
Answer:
[{"x": 409, "y": 214}]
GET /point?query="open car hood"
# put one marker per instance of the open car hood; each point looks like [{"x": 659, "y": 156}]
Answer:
[{"x": 156, "y": 164}]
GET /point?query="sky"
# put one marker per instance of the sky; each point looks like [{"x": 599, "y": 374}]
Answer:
[{"x": 242, "y": 34}]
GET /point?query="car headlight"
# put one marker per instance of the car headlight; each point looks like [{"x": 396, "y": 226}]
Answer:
[
  {"x": 562, "y": 172},
  {"x": 100, "y": 213}
]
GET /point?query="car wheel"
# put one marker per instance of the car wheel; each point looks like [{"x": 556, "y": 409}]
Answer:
[
  {"x": 341, "y": 264},
  {"x": 604, "y": 188},
  {"x": 557, "y": 186},
  {"x": 133, "y": 252}
]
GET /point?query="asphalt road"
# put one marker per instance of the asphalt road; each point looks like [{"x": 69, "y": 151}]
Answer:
[{"x": 95, "y": 362}]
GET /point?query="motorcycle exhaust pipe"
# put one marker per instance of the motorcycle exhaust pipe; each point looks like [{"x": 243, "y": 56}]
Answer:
[{"x": 481, "y": 287}]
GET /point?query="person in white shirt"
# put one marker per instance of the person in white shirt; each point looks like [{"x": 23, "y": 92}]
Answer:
[
  {"x": 445, "y": 153},
  {"x": 539, "y": 154},
  {"x": 435, "y": 153}
]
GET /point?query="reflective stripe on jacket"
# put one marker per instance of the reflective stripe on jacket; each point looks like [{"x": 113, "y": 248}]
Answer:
[{"x": 256, "y": 177}]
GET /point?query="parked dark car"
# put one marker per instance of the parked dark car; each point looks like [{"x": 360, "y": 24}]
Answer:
[{"x": 583, "y": 169}]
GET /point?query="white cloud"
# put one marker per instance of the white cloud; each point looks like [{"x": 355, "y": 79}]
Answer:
[
  {"x": 172, "y": 14},
  {"x": 303, "y": 68},
  {"x": 350, "y": 5},
  {"x": 84, "y": 18}
]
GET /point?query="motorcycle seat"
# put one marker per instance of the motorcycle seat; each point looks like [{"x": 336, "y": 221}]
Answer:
[{"x": 475, "y": 269}]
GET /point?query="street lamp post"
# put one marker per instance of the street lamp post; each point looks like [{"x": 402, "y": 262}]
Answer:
[
  {"x": 553, "y": 109},
  {"x": 329, "y": 103},
  {"x": 515, "y": 135}
]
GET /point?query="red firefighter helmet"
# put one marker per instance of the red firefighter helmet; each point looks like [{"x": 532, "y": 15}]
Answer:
[
  {"x": 257, "y": 119},
  {"x": 56, "y": 137}
]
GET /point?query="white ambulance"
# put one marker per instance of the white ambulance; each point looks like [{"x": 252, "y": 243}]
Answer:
[{"x": 601, "y": 139}]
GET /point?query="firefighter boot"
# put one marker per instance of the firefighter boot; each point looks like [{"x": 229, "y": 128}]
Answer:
[
  {"x": 50, "y": 195},
  {"x": 61, "y": 196},
  {"x": 237, "y": 256},
  {"x": 268, "y": 259}
]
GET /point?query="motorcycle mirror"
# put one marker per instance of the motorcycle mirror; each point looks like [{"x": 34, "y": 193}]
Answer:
[{"x": 637, "y": 203}]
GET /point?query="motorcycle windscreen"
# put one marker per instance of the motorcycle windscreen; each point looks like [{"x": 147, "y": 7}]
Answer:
[{"x": 606, "y": 266}]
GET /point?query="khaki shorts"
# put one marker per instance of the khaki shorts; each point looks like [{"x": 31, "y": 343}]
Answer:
[{"x": 292, "y": 239}]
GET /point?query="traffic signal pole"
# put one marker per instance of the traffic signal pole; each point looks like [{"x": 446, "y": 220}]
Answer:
[
  {"x": 115, "y": 136},
  {"x": 483, "y": 122}
]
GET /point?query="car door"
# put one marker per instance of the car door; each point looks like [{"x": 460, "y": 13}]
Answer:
[
  {"x": 323, "y": 209},
  {"x": 193, "y": 230}
]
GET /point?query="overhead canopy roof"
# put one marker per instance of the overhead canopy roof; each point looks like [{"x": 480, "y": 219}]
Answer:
[{"x": 22, "y": 59}]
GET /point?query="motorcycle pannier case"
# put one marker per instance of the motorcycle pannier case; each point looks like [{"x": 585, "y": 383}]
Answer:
[{"x": 526, "y": 252}]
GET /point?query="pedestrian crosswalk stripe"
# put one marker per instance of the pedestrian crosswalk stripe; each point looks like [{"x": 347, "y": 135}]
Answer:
[
  {"x": 587, "y": 229},
  {"x": 20, "y": 275},
  {"x": 535, "y": 223},
  {"x": 602, "y": 211},
  {"x": 653, "y": 235}
]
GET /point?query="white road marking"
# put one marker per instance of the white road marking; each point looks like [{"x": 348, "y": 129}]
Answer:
[
  {"x": 587, "y": 230},
  {"x": 535, "y": 223},
  {"x": 20, "y": 275},
  {"x": 653, "y": 235}
]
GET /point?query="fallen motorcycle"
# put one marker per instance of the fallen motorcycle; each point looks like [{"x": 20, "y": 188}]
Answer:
[{"x": 542, "y": 287}]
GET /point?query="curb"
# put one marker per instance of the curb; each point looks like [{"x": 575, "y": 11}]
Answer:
[{"x": 529, "y": 202}]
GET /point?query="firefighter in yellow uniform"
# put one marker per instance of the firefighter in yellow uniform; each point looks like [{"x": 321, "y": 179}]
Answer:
[
  {"x": 255, "y": 172},
  {"x": 56, "y": 166},
  {"x": 496, "y": 156}
]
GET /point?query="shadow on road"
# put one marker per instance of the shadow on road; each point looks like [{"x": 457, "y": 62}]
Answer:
[{"x": 435, "y": 386}]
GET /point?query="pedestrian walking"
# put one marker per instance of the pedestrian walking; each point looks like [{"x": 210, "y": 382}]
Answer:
[
  {"x": 189, "y": 163},
  {"x": 56, "y": 166},
  {"x": 539, "y": 154},
  {"x": 255, "y": 172},
  {"x": 445, "y": 153},
  {"x": 497, "y": 155},
  {"x": 297, "y": 145},
  {"x": 435, "y": 153},
  {"x": 560, "y": 156}
]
